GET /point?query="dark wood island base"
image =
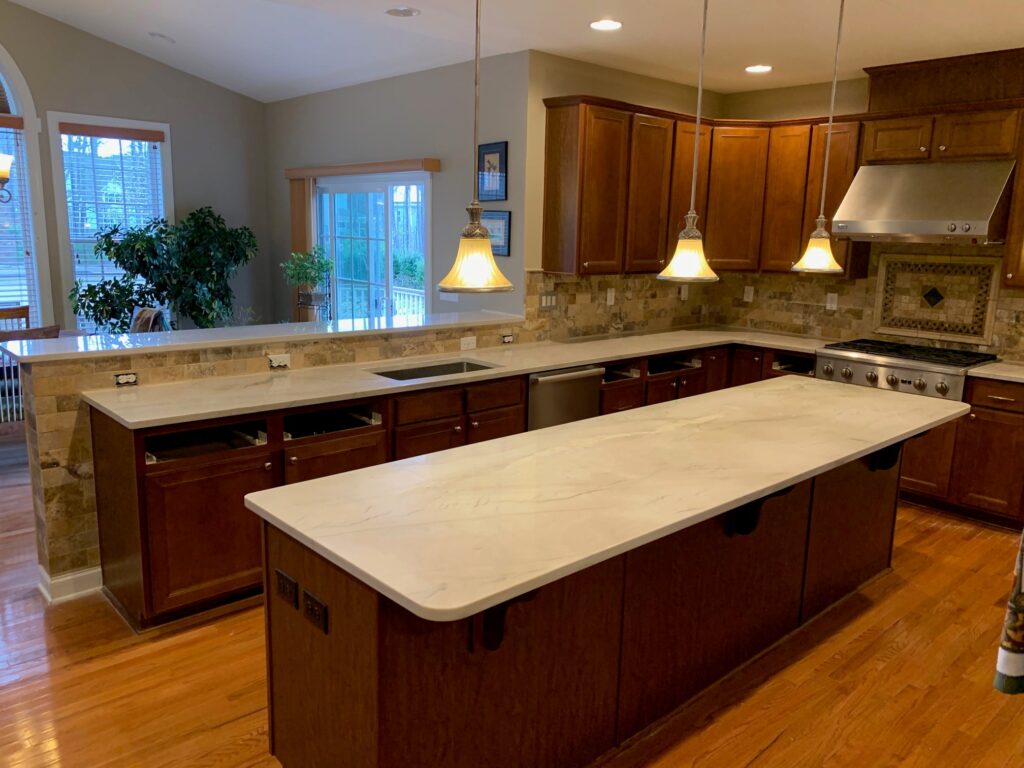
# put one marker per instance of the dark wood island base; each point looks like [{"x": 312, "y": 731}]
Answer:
[{"x": 561, "y": 675}]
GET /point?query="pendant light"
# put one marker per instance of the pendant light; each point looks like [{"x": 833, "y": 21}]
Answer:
[
  {"x": 818, "y": 257},
  {"x": 5, "y": 176},
  {"x": 688, "y": 264},
  {"x": 475, "y": 270}
]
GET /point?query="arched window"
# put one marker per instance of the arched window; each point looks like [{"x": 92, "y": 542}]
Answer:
[{"x": 19, "y": 284}]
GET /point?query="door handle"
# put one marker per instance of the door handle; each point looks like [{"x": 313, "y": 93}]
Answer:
[{"x": 1002, "y": 399}]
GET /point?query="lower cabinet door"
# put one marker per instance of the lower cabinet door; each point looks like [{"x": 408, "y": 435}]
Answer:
[
  {"x": 342, "y": 454},
  {"x": 693, "y": 382},
  {"x": 203, "y": 542},
  {"x": 988, "y": 464},
  {"x": 700, "y": 602},
  {"x": 430, "y": 436},
  {"x": 622, "y": 396},
  {"x": 716, "y": 367},
  {"x": 662, "y": 388},
  {"x": 928, "y": 462},
  {"x": 499, "y": 422},
  {"x": 746, "y": 366}
]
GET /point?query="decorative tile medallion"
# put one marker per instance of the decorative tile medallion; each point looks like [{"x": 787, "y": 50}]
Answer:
[{"x": 937, "y": 297}]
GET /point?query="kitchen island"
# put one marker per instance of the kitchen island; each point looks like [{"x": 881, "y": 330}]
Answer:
[{"x": 540, "y": 598}]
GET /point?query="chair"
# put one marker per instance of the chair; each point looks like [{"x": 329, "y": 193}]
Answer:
[
  {"x": 10, "y": 383},
  {"x": 13, "y": 318}
]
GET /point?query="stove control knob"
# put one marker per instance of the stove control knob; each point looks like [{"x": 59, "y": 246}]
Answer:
[
  {"x": 846, "y": 373},
  {"x": 892, "y": 379},
  {"x": 872, "y": 377},
  {"x": 920, "y": 384},
  {"x": 942, "y": 388},
  {"x": 828, "y": 369}
]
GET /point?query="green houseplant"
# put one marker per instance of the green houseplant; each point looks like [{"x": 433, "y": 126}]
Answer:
[
  {"x": 307, "y": 272},
  {"x": 186, "y": 267}
]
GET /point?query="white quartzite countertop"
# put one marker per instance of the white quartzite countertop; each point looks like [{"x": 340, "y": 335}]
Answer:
[
  {"x": 452, "y": 533},
  {"x": 1001, "y": 371},
  {"x": 195, "y": 399}
]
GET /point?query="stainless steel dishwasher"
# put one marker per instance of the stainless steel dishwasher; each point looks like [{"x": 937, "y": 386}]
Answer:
[{"x": 558, "y": 397}]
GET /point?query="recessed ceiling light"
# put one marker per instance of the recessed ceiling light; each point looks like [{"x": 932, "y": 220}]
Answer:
[
  {"x": 759, "y": 69},
  {"x": 162, "y": 36},
  {"x": 606, "y": 25},
  {"x": 403, "y": 11}
]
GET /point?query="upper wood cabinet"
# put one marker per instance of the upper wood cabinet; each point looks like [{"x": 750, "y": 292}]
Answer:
[
  {"x": 682, "y": 176},
  {"x": 842, "y": 166},
  {"x": 739, "y": 162},
  {"x": 782, "y": 233},
  {"x": 586, "y": 184},
  {"x": 955, "y": 136},
  {"x": 650, "y": 181}
]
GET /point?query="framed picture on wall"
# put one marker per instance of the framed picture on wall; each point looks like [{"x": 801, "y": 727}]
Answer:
[
  {"x": 492, "y": 161},
  {"x": 499, "y": 224}
]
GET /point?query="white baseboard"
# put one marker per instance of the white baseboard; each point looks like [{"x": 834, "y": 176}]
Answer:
[{"x": 69, "y": 585}]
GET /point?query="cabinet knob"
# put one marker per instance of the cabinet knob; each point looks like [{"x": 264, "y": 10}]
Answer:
[
  {"x": 457, "y": 429},
  {"x": 675, "y": 384},
  {"x": 923, "y": 149},
  {"x": 942, "y": 147},
  {"x": 757, "y": 359},
  {"x": 973, "y": 416},
  {"x": 475, "y": 424},
  {"x": 268, "y": 466},
  {"x": 293, "y": 459},
  {"x": 1009, "y": 275},
  {"x": 712, "y": 357},
  {"x": 661, "y": 261},
  {"x": 586, "y": 265}
]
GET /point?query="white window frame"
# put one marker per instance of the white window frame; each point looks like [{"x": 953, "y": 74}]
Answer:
[
  {"x": 336, "y": 183},
  {"x": 60, "y": 198},
  {"x": 26, "y": 110}
]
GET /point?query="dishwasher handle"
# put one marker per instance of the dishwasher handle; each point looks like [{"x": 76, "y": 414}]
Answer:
[{"x": 552, "y": 378}]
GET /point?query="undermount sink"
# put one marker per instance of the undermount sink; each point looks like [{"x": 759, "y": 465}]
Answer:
[{"x": 430, "y": 370}]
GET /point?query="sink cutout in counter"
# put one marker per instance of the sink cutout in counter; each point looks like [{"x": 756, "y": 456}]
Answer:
[{"x": 431, "y": 370}]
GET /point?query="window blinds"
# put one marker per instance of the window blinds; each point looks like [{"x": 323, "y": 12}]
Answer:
[{"x": 18, "y": 283}]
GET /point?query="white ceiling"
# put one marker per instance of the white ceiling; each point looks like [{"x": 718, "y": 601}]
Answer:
[{"x": 276, "y": 49}]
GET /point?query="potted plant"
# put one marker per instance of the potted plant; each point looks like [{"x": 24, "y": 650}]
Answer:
[
  {"x": 185, "y": 267},
  {"x": 308, "y": 272}
]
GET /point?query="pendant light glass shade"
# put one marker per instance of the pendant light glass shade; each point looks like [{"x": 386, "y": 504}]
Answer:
[
  {"x": 475, "y": 270},
  {"x": 818, "y": 257},
  {"x": 688, "y": 264},
  {"x": 5, "y": 176}
]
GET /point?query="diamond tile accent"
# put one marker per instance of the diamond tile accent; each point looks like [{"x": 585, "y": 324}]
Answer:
[{"x": 933, "y": 296}]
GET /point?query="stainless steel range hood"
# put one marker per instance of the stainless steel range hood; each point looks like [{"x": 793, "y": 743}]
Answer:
[{"x": 957, "y": 203}]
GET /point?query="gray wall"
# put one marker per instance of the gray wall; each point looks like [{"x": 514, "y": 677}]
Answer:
[
  {"x": 425, "y": 114},
  {"x": 797, "y": 101},
  {"x": 217, "y": 135}
]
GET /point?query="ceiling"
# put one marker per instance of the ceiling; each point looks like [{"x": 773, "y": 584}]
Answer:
[{"x": 276, "y": 49}]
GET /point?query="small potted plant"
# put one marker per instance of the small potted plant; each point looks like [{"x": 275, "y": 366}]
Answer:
[{"x": 308, "y": 272}]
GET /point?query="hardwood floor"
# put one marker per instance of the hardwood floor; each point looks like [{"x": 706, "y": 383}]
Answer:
[{"x": 899, "y": 674}]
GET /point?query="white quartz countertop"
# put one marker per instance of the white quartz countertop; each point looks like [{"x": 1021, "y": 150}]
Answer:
[
  {"x": 107, "y": 345},
  {"x": 195, "y": 399},
  {"x": 1001, "y": 371},
  {"x": 452, "y": 533}
]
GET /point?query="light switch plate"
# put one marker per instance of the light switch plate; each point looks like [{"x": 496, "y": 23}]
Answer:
[
  {"x": 748, "y": 294},
  {"x": 684, "y": 292},
  {"x": 831, "y": 301},
  {"x": 611, "y": 296},
  {"x": 467, "y": 342},
  {"x": 279, "y": 361}
]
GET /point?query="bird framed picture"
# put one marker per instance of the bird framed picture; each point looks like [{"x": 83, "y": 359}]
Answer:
[
  {"x": 492, "y": 170},
  {"x": 499, "y": 224}
]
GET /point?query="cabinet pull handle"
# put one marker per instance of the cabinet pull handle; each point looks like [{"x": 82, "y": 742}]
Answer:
[
  {"x": 973, "y": 416},
  {"x": 757, "y": 359},
  {"x": 293, "y": 459},
  {"x": 475, "y": 424},
  {"x": 268, "y": 466},
  {"x": 1002, "y": 399},
  {"x": 942, "y": 147},
  {"x": 457, "y": 429},
  {"x": 923, "y": 149}
]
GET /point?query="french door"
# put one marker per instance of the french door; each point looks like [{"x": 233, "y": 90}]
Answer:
[{"x": 375, "y": 231}]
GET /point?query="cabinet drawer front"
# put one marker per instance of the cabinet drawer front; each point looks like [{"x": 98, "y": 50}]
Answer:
[
  {"x": 622, "y": 396},
  {"x": 662, "y": 388},
  {"x": 902, "y": 138},
  {"x": 431, "y": 436},
  {"x": 429, "y": 405},
  {"x": 203, "y": 543},
  {"x": 976, "y": 134},
  {"x": 1001, "y": 395},
  {"x": 330, "y": 457},
  {"x": 494, "y": 394},
  {"x": 499, "y": 422}
]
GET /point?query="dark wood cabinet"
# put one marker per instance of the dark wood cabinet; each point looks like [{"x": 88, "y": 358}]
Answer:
[
  {"x": 662, "y": 388},
  {"x": 782, "y": 233},
  {"x": 429, "y": 437},
  {"x": 897, "y": 139},
  {"x": 339, "y": 454},
  {"x": 747, "y": 366},
  {"x": 622, "y": 395},
  {"x": 499, "y": 422},
  {"x": 842, "y": 167},
  {"x": 716, "y": 368},
  {"x": 988, "y": 465},
  {"x": 739, "y": 162},
  {"x": 928, "y": 462},
  {"x": 700, "y": 602},
  {"x": 650, "y": 177},
  {"x": 975, "y": 135},
  {"x": 586, "y": 186},
  {"x": 682, "y": 179},
  {"x": 202, "y": 542}
]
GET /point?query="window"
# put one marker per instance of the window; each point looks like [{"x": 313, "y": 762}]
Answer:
[
  {"x": 375, "y": 230},
  {"x": 18, "y": 282},
  {"x": 112, "y": 175}
]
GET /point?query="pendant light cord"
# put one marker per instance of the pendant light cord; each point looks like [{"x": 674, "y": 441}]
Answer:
[
  {"x": 476, "y": 109},
  {"x": 831, "y": 110},
  {"x": 700, "y": 99}
]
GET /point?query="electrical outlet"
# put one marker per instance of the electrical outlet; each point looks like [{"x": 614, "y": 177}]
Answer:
[
  {"x": 279, "y": 361},
  {"x": 445, "y": 296},
  {"x": 315, "y": 611},
  {"x": 748, "y": 294},
  {"x": 684, "y": 292},
  {"x": 129, "y": 379},
  {"x": 467, "y": 342},
  {"x": 507, "y": 338},
  {"x": 287, "y": 588},
  {"x": 611, "y": 296},
  {"x": 832, "y": 301}
]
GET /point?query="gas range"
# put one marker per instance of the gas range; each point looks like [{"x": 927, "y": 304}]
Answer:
[{"x": 929, "y": 371}]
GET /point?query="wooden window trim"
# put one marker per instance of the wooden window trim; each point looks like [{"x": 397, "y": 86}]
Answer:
[
  {"x": 12, "y": 121},
  {"x": 429, "y": 164},
  {"x": 104, "y": 132}
]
